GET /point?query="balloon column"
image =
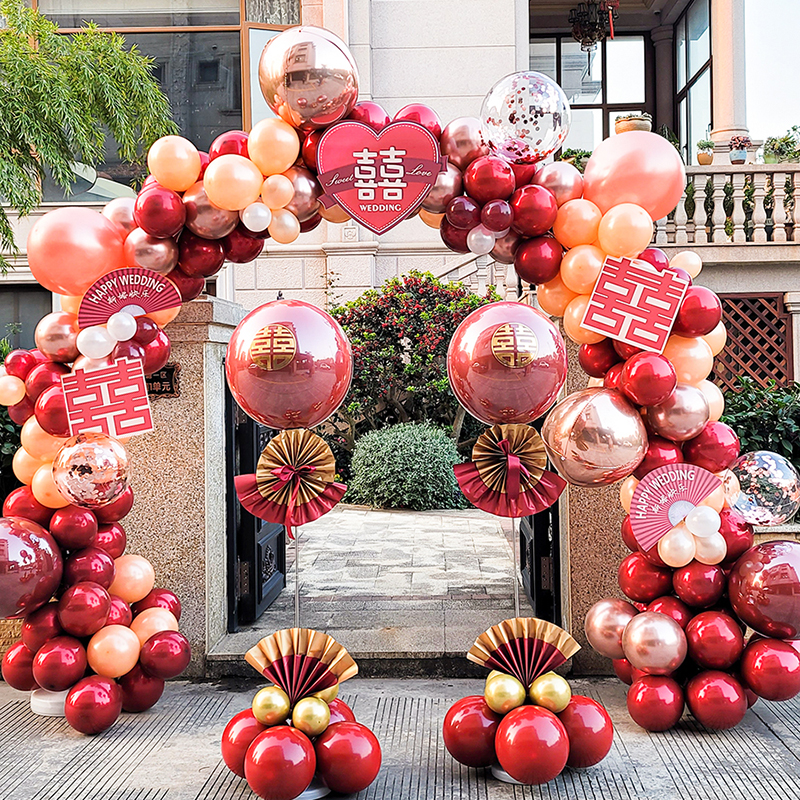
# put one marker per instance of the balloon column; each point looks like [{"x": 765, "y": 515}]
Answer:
[{"x": 298, "y": 733}]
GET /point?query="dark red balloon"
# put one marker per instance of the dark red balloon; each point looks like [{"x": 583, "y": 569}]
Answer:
[
  {"x": 17, "y": 668},
  {"x": 715, "y": 640},
  {"x": 715, "y": 448},
  {"x": 463, "y": 213},
  {"x": 280, "y": 763},
  {"x": 648, "y": 379},
  {"x": 114, "y": 512},
  {"x": 237, "y": 738},
  {"x": 146, "y": 328},
  {"x": 348, "y": 757},
  {"x": 59, "y": 663},
  {"x": 141, "y": 691},
  {"x": 309, "y": 149},
  {"x": 655, "y": 703},
  {"x": 625, "y": 350},
  {"x": 497, "y": 216},
  {"x": 21, "y": 412},
  {"x": 532, "y": 744},
  {"x": 51, "y": 412},
  {"x": 611, "y": 379},
  {"x": 188, "y": 286},
  {"x": 737, "y": 533},
  {"x": 642, "y": 581},
  {"x": 197, "y": 258},
  {"x": 589, "y": 730},
  {"x": 159, "y": 212},
  {"x": 165, "y": 655},
  {"x": 340, "y": 711},
  {"x": 655, "y": 256},
  {"x": 19, "y": 363},
  {"x": 41, "y": 626},
  {"x": 597, "y": 359},
  {"x": 672, "y": 607},
  {"x": 156, "y": 354},
  {"x": 93, "y": 704},
  {"x": 771, "y": 668},
  {"x": 623, "y": 670},
  {"x": 716, "y": 700},
  {"x": 535, "y": 210},
  {"x": 305, "y": 226},
  {"x": 74, "y": 527},
  {"x": 454, "y": 238},
  {"x": 469, "y": 730},
  {"x": 83, "y": 609},
  {"x": 538, "y": 260},
  {"x": 22, "y": 503},
  {"x": 89, "y": 564},
  {"x": 489, "y": 178},
  {"x": 422, "y": 115},
  {"x": 42, "y": 377},
  {"x": 159, "y": 598},
  {"x": 628, "y": 538},
  {"x": 699, "y": 585},
  {"x": 130, "y": 349},
  {"x": 239, "y": 247},
  {"x": 699, "y": 314},
  {"x": 371, "y": 114},
  {"x": 119, "y": 612},
  {"x": 660, "y": 453},
  {"x": 111, "y": 538},
  {"x": 229, "y": 143},
  {"x": 682, "y": 274}
]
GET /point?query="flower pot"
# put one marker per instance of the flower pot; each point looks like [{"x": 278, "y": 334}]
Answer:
[
  {"x": 738, "y": 156},
  {"x": 704, "y": 158},
  {"x": 634, "y": 124}
]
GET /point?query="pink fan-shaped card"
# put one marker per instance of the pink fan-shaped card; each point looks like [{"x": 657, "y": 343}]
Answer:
[{"x": 664, "y": 497}]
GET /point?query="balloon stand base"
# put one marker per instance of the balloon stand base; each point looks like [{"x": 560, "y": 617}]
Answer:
[
  {"x": 315, "y": 789},
  {"x": 502, "y": 775},
  {"x": 48, "y": 704}
]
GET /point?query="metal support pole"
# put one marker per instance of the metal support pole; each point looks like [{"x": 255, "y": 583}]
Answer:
[
  {"x": 297, "y": 577},
  {"x": 514, "y": 544}
]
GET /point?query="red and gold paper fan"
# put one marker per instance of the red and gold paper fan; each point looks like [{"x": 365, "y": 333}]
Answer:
[
  {"x": 294, "y": 480},
  {"x": 507, "y": 475},
  {"x": 524, "y": 647},
  {"x": 302, "y": 661}
]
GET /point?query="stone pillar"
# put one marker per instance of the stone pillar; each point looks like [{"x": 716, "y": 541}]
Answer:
[
  {"x": 178, "y": 520},
  {"x": 792, "y": 301},
  {"x": 728, "y": 71},
  {"x": 662, "y": 38}
]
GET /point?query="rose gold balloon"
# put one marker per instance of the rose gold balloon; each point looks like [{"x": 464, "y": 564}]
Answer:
[
  {"x": 462, "y": 142},
  {"x": 305, "y": 202},
  {"x": 506, "y": 247},
  {"x": 203, "y": 218},
  {"x": 333, "y": 214},
  {"x": 308, "y": 77},
  {"x": 681, "y": 416},
  {"x": 604, "y": 625},
  {"x": 448, "y": 185},
  {"x": 562, "y": 179},
  {"x": 594, "y": 437},
  {"x": 134, "y": 577},
  {"x": 56, "y": 336},
  {"x": 144, "y": 250},
  {"x": 277, "y": 191},
  {"x": 152, "y": 621},
  {"x": 654, "y": 643},
  {"x": 120, "y": 212}
]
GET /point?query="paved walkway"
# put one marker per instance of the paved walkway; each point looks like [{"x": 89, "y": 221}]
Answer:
[{"x": 172, "y": 751}]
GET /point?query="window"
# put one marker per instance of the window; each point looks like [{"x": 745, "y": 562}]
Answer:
[
  {"x": 21, "y": 308},
  {"x": 613, "y": 79},
  {"x": 693, "y": 73}
]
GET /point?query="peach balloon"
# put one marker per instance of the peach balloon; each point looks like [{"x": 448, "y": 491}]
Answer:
[
  {"x": 626, "y": 490},
  {"x": 152, "y": 621},
  {"x": 12, "y": 390},
  {"x": 69, "y": 248},
  {"x": 232, "y": 182},
  {"x": 430, "y": 219},
  {"x": 577, "y": 222},
  {"x": 573, "y": 314},
  {"x": 595, "y": 383},
  {"x": 174, "y": 162},
  {"x": 716, "y": 499},
  {"x": 688, "y": 260},
  {"x": 44, "y": 488},
  {"x": 133, "y": 579},
  {"x": 113, "y": 651},
  {"x": 38, "y": 442},
  {"x": 692, "y": 358},
  {"x": 337, "y": 214},
  {"x": 581, "y": 266},
  {"x": 625, "y": 230},
  {"x": 273, "y": 146},
  {"x": 70, "y": 303},
  {"x": 717, "y": 338},
  {"x": 277, "y": 191},
  {"x": 554, "y": 297},
  {"x": 285, "y": 227},
  {"x": 25, "y": 465},
  {"x": 716, "y": 400}
]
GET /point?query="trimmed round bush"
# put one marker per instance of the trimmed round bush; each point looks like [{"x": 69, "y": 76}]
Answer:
[{"x": 406, "y": 466}]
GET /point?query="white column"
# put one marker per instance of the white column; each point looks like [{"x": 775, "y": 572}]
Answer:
[
  {"x": 522, "y": 34},
  {"x": 728, "y": 70},
  {"x": 662, "y": 38},
  {"x": 792, "y": 301}
]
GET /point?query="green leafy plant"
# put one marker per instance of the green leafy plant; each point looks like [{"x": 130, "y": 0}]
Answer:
[
  {"x": 783, "y": 149},
  {"x": 59, "y": 94},
  {"x": 577, "y": 158},
  {"x": 406, "y": 466},
  {"x": 705, "y": 145},
  {"x": 9, "y": 439}
]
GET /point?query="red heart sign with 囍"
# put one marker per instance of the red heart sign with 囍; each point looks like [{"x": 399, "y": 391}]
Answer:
[{"x": 378, "y": 177}]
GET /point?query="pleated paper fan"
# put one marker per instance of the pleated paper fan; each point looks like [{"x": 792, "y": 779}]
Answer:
[
  {"x": 524, "y": 647},
  {"x": 301, "y": 661}
]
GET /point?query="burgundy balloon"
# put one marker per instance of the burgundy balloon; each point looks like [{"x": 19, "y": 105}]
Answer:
[
  {"x": 672, "y": 607},
  {"x": 156, "y": 354},
  {"x": 42, "y": 377},
  {"x": 497, "y": 216},
  {"x": 165, "y": 655},
  {"x": 654, "y": 256},
  {"x": 682, "y": 274},
  {"x": 628, "y": 539},
  {"x": 715, "y": 448},
  {"x": 715, "y": 640},
  {"x": 623, "y": 670},
  {"x": 525, "y": 173},
  {"x": 655, "y": 703},
  {"x": 59, "y": 663},
  {"x": 309, "y": 149},
  {"x": 146, "y": 328},
  {"x": 237, "y": 737},
  {"x": 422, "y": 115},
  {"x": 83, "y": 608},
  {"x": 611, "y": 379},
  {"x": 93, "y": 704},
  {"x": 463, "y": 213},
  {"x": 114, "y": 512},
  {"x": 489, "y": 178},
  {"x": 21, "y": 412},
  {"x": 280, "y": 763},
  {"x": 111, "y": 538},
  {"x": 737, "y": 533},
  {"x": 535, "y": 210},
  {"x": 159, "y": 598},
  {"x": 119, "y": 612},
  {"x": 372, "y": 114},
  {"x": 642, "y": 581},
  {"x": 241, "y": 248},
  {"x": 454, "y": 238},
  {"x": 597, "y": 359},
  {"x": 40, "y": 626},
  {"x": 771, "y": 668},
  {"x": 660, "y": 453},
  {"x": 538, "y": 260},
  {"x": 716, "y": 700},
  {"x": 188, "y": 286},
  {"x": 625, "y": 350},
  {"x": 22, "y": 503},
  {"x": 19, "y": 363},
  {"x": 648, "y": 379},
  {"x": 469, "y": 730},
  {"x": 348, "y": 757},
  {"x": 229, "y": 143},
  {"x": 589, "y": 730},
  {"x": 699, "y": 585},
  {"x": 89, "y": 564},
  {"x": 130, "y": 349},
  {"x": 699, "y": 314},
  {"x": 74, "y": 527},
  {"x": 17, "y": 668},
  {"x": 140, "y": 691},
  {"x": 340, "y": 711},
  {"x": 51, "y": 412},
  {"x": 159, "y": 212},
  {"x": 305, "y": 226},
  {"x": 198, "y": 257}
]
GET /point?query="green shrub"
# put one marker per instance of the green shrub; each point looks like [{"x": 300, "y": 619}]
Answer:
[{"x": 406, "y": 466}]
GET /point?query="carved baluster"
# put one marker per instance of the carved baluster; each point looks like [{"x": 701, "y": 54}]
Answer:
[
  {"x": 779, "y": 211},
  {"x": 718, "y": 217},
  {"x": 680, "y": 221},
  {"x": 700, "y": 235},
  {"x": 759, "y": 214},
  {"x": 661, "y": 231},
  {"x": 796, "y": 203},
  {"x": 738, "y": 208}
]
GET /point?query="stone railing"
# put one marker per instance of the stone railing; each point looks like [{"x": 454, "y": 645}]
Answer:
[{"x": 753, "y": 203}]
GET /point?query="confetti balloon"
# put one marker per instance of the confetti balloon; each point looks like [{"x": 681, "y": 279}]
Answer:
[
  {"x": 526, "y": 117},
  {"x": 766, "y": 489}
]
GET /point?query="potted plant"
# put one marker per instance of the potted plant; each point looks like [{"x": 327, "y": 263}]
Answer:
[
  {"x": 633, "y": 122},
  {"x": 739, "y": 145},
  {"x": 705, "y": 152},
  {"x": 783, "y": 149},
  {"x": 577, "y": 158}
]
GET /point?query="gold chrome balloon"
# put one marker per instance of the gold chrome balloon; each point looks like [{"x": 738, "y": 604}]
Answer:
[
  {"x": 271, "y": 706},
  {"x": 329, "y": 694},
  {"x": 504, "y": 693},
  {"x": 311, "y": 716},
  {"x": 493, "y": 674},
  {"x": 551, "y": 691}
]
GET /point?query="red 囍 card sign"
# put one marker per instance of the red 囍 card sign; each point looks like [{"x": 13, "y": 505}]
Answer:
[
  {"x": 635, "y": 303},
  {"x": 378, "y": 177}
]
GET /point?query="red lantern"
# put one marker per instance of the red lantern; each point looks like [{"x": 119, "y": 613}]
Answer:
[
  {"x": 280, "y": 763},
  {"x": 589, "y": 730},
  {"x": 93, "y": 704},
  {"x": 469, "y": 730},
  {"x": 348, "y": 757},
  {"x": 655, "y": 703},
  {"x": 642, "y": 581},
  {"x": 716, "y": 700}
]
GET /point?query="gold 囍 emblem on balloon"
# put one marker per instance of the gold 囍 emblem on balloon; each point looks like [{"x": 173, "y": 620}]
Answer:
[
  {"x": 273, "y": 347},
  {"x": 514, "y": 345}
]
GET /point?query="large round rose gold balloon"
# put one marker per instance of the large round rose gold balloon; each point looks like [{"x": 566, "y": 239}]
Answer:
[
  {"x": 681, "y": 416},
  {"x": 144, "y": 250},
  {"x": 594, "y": 437},
  {"x": 605, "y": 623},
  {"x": 506, "y": 363},
  {"x": 308, "y": 77},
  {"x": 305, "y": 202},
  {"x": 462, "y": 142},
  {"x": 120, "y": 212},
  {"x": 654, "y": 643},
  {"x": 448, "y": 185},
  {"x": 562, "y": 179},
  {"x": 203, "y": 218},
  {"x": 56, "y": 336}
]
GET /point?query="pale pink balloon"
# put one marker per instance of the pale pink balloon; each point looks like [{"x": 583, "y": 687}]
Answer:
[
  {"x": 152, "y": 621},
  {"x": 562, "y": 179},
  {"x": 605, "y": 623},
  {"x": 677, "y": 547}
]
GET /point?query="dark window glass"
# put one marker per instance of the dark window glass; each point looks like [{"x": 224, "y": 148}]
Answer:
[
  {"x": 21, "y": 308},
  {"x": 141, "y": 13}
]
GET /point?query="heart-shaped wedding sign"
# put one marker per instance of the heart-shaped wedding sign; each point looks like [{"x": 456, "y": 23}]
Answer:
[{"x": 378, "y": 177}]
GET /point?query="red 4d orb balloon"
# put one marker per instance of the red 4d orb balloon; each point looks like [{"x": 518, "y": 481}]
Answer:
[
  {"x": 469, "y": 730},
  {"x": 40, "y": 626},
  {"x": 74, "y": 527},
  {"x": 489, "y": 178},
  {"x": 648, "y": 379},
  {"x": 771, "y": 668},
  {"x": 280, "y": 763},
  {"x": 59, "y": 663},
  {"x": 348, "y": 757},
  {"x": 715, "y": 448},
  {"x": 589, "y": 730},
  {"x": 237, "y": 738},
  {"x": 655, "y": 703},
  {"x": 716, "y": 700},
  {"x": 672, "y": 607},
  {"x": 532, "y": 744},
  {"x": 506, "y": 363},
  {"x": 22, "y": 503},
  {"x": 699, "y": 314},
  {"x": 289, "y": 365},
  {"x": 93, "y": 704},
  {"x": 699, "y": 585},
  {"x": 160, "y": 598}
]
